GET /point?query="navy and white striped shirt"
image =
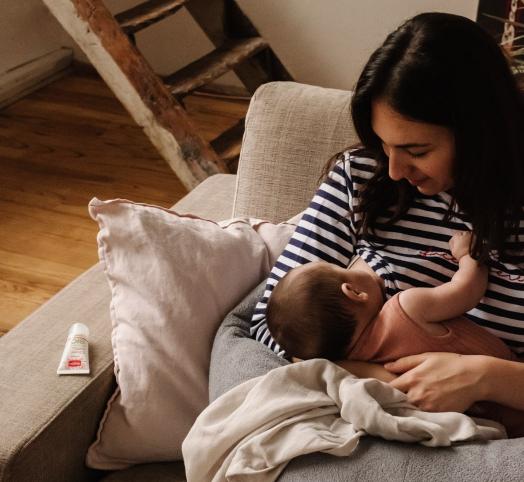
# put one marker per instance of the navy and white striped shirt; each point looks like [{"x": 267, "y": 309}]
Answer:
[{"x": 414, "y": 251}]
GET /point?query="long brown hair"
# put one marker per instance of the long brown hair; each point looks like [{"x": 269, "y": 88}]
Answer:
[{"x": 445, "y": 70}]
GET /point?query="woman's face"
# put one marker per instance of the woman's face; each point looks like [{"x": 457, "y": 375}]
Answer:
[{"x": 421, "y": 153}]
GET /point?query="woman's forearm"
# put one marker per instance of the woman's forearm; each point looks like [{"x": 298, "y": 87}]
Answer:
[{"x": 503, "y": 382}]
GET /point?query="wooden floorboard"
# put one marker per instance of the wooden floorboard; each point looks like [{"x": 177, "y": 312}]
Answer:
[{"x": 60, "y": 147}]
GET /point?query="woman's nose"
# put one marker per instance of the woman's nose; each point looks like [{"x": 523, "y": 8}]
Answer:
[{"x": 397, "y": 166}]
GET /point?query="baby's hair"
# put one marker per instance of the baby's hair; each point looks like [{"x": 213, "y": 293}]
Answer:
[{"x": 309, "y": 316}]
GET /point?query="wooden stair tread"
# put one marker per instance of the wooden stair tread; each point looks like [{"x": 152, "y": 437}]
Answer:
[
  {"x": 146, "y": 13},
  {"x": 213, "y": 65},
  {"x": 155, "y": 103},
  {"x": 228, "y": 143}
]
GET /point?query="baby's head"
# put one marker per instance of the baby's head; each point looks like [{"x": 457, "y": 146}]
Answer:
[{"x": 316, "y": 310}]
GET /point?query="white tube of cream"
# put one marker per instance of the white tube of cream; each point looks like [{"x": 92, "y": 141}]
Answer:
[{"x": 75, "y": 359}]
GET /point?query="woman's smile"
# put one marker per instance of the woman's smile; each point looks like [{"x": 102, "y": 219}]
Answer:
[
  {"x": 417, "y": 182},
  {"x": 419, "y": 152}
]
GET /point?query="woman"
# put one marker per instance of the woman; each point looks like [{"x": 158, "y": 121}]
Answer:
[{"x": 442, "y": 124}]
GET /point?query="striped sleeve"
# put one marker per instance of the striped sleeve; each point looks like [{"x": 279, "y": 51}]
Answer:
[{"x": 324, "y": 233}]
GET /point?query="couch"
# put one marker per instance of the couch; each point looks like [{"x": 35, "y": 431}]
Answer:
[{"x": 47, "y": 422}]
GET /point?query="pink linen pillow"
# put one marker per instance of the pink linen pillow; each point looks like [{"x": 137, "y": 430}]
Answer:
[{"x": 173, "y": 278}]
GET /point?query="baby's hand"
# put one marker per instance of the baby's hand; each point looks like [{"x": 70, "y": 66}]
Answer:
[{"x": 459, "y": 244}]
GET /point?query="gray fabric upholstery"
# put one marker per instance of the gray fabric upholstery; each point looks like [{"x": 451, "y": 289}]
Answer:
[
  {"x": 291, "y": 131},
  {"x": 237, "y": 354},
  {"x": 236, "y": 358}
]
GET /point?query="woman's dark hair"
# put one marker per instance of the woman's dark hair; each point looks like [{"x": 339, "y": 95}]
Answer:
[
  {"x": 310, "y": 317},
  {"x": 446, "y": 70}
]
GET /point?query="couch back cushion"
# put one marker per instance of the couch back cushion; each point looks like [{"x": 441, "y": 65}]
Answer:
[{"x": 291, "y": 131}]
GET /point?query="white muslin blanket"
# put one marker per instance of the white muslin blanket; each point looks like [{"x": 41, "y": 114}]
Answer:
[{"x": 251, "y": 432}]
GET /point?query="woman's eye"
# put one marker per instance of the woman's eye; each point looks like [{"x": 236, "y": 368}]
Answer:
[{"x": 417, "y": 154}]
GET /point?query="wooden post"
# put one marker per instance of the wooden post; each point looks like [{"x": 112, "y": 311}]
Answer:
[
  {"x": 211, "y": 17},
  {"x": 139, "y": 89}
]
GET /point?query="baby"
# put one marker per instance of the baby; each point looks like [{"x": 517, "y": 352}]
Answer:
[{"x": 320, "y": 310}]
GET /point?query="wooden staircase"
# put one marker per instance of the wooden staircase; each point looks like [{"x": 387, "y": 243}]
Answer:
[{"x": 157, "y": 104}]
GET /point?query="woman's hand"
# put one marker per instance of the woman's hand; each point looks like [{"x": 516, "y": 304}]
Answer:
[{"x": 439, "y": 382}]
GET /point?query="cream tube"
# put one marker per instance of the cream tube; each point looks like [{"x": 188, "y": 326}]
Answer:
[{"x": 75, "y": 359}]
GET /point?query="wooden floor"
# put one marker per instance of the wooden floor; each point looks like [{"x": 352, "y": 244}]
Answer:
[{"x": 60, "y": 147}]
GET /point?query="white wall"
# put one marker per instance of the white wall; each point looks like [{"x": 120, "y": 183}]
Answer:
[
  {"x": 27, "y": 31},
  {"x": 322, "y": 42},
  {"x": 328, "y": 42}
]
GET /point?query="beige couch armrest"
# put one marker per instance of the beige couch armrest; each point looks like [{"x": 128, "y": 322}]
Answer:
[
  {"x": 211, "y": 199},
  {"x": 291, "y": 131},
  {"x": 47, "y": 422}
]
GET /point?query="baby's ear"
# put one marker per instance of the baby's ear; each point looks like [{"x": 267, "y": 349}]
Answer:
[{"x": 352, "y": 294}]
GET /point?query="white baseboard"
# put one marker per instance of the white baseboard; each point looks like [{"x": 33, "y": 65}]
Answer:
[{"x": 30, "y": 76}]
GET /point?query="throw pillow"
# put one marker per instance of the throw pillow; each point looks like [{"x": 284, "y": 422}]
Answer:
[{"x": 173, "y": 278}]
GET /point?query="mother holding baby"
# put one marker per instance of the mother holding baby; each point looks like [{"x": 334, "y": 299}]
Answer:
[{"x": 441, "y": 121}]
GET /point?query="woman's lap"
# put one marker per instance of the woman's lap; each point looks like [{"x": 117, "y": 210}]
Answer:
[{"x": 237, "y": 358}]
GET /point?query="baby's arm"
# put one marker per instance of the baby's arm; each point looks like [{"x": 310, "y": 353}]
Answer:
[
  {"x": 454, "y": 298},
  {"x": 362, "y": 369},
  {"x": 366, "y": 370}
]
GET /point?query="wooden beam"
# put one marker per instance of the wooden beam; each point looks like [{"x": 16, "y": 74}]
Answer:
[
  {"x": 230, "y": 92},
  {"x": 147, "y": 13},
  {"x": 237, "y": 24},
  {"x": 139, "y": 89},
  {"x": 211, "y": 17},
  {"x": 228, "y": 144},
  {"x": 213, "y": 65}
]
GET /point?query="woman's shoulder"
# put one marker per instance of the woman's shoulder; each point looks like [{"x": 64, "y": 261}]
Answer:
[
  {"x": 356, "y": 156},
  {"x": 352, "y": 168},
  {"x": 359, "y": 152},
  {"x": 359, "y": 163}
]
